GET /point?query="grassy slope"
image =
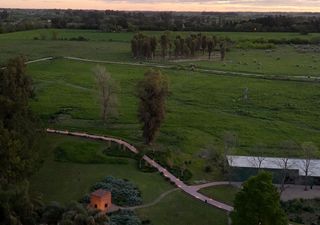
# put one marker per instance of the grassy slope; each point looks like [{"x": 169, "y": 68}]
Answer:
[
  {"x": 200, "y": 109},
  {"x": 179, "y": 209},
  {"x": 65, "y": 181},
  {"x": 223, "y": 193}
]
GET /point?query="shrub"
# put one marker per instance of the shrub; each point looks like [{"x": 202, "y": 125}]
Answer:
[
  {"x": 124, "y": 217},
  {"x": 124, "y": 193}
]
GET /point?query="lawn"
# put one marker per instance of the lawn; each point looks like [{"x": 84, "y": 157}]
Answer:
[
  {"x": 199, "y": 110},
  {"x": 180, "y": 209},
  {"x": 68, "y": 181},
  {"x": 222, "y": 193}
]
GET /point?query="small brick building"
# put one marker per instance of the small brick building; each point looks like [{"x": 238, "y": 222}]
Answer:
[{"x": 101, "y": 199}]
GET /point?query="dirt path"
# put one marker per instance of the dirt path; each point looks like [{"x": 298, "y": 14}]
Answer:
[
  {"x": 152, "y": 203},
  {"x": 214, "y": 71},
  {"x": 192, "y": 191}
]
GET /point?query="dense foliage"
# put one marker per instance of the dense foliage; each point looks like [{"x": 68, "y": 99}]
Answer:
[
  {"x": 74, "y": 213},
  {"x": 258, "y": 203},
  {"x": 124, "y": 193},
  {"x": 303, "y": 211},
  {"x": 18, "y": 145},
  {"x": 143, "y": 46},
  {"x": 153, "y": 91},
  {"x": 110, "y": 21},
  {"x": 124, "y": 217}
]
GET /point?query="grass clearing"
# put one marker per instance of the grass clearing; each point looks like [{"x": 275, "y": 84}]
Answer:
[
  {"x": 180, "y": 209},
  {"x": 222, "y": 193},
  {"x": 67, "y": 181}
]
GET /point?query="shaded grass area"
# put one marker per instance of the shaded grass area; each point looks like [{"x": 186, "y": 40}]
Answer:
[
  {"x": 180, "y": 209},
  {"x": 201, "y": 108},
  {"x": 66, "y": 181},
  {"x": 85, "y": 152},
  {"x": 222, "y": 193}
]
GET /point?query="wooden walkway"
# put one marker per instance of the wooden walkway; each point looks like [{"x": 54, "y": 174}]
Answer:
[{"x": 191, "y": 190}]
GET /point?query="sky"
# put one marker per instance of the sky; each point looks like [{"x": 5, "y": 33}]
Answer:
[{"x": 173, "y": 5}]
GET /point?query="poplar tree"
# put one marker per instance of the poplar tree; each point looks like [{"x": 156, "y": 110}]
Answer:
[{"x": 152, "y": 93}]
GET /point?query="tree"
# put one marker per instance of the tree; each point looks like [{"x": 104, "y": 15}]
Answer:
[
  {"x": 152, "y": 93},
  {"x": 19, "y": 136},
  {"x": 107, "y": 91},
  {"x": 134, "y": 47},
  {"x": 153, "y": 43},
  {"x": 309, "y": 150},
  {"x": 147, "y": 51},
  {"x": 210, "y": 48},
  {"x": 257, "y": 160},
  {"x": 287, "y": 148},
  {"x": 18, "y": 126},
  {"x": 229, "y": 142},
  {"x": 164, "y": 43},
  {"x": 177, "y": 46},
  {"x": 258, "y": 203},
  {"x": 223, "y": 50},
  {"x": 204, "y": 43}
]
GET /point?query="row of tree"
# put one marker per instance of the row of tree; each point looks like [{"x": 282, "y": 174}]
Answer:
[
  {"x": 143, "y": 46},
  {"x": 111, "y": 21}
]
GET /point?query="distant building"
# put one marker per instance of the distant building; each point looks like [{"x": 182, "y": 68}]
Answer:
[
  {"x": 101, "y": 199},
  {"x": 246, "y": 166}
]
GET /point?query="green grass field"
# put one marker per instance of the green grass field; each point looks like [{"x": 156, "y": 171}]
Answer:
[
  {"x": 285, "y": 60},
  {"x": 201, "y": 108},
  {"x": 68, "y": 181},
  {"x": 180, "y": 209},
  {"x": 222, "y": 193}
]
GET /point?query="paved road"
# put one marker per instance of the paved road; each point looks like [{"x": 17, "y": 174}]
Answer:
[{"x": 191, "y": 190}]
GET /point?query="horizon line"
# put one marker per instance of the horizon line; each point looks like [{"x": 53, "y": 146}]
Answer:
[{"x": 195, "y": 11}]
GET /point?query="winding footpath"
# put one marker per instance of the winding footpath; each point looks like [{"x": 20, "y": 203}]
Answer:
[
  {"x": 201, "y": 70},
  {"x": 191, "y": 190}
]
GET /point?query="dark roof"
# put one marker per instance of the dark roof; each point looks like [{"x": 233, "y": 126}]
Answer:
[{"x": 100, "y": 193}]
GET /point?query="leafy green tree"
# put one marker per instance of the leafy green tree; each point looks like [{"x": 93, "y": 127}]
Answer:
[
  {"x": 223, "y": 50},
  {"x": 18, "y": 145},
  {"x": 204, "y": 43},
  {"x": 210, "y": 47},
  {"x": 18, "y": 126},
  {"x": 152, "y": 93},
  {"x": 258, "y": 203},
  {"x": 164, "y": 43},
  {"x": 177, "y": 46},
  {"x": 134, "y": 47},
  {"x": 153, "y": 44}
]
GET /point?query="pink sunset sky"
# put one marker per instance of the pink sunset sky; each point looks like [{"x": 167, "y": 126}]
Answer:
[{"x": 175, "y": 5}]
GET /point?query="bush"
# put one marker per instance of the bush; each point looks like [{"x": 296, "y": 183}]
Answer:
[
  {"x": 124, "y": 217},
  {"x": 124, "y": 193}
]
